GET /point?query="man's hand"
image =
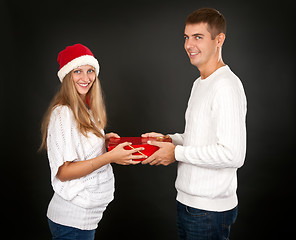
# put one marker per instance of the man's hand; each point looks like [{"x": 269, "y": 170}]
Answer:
[
  {"x": 165, "y": 155},
  {"x": 152, "y": 134}
]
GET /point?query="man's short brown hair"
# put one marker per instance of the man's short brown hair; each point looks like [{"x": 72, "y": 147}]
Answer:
[{"x": 215, "y": 20}]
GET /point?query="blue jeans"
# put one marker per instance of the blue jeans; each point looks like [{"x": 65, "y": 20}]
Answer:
[
  {"x": 196, "y": 224},
  {"x": 61, "y": 232}
]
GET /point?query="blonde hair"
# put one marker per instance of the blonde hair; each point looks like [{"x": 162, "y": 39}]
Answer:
[{"x": 68, "y": 96}]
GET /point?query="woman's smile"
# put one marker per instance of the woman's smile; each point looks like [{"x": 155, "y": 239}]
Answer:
[{"x": 83, "y": 77}]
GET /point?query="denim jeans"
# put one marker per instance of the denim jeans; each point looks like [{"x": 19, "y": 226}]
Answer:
[
  {"x": 61, "y": 232},
  {"x": 196, "y": 224}
]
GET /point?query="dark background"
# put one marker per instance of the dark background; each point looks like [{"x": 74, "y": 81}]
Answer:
[{"x": 147, "y": 78}]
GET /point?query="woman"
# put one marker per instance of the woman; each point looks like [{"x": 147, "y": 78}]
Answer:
[{"x": 73, "y": 134}]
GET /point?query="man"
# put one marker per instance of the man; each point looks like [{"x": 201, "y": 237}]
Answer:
[{"x": 213, "y": 145}]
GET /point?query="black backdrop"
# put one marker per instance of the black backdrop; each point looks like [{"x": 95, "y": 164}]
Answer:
[{"x": 147, "y": 78}]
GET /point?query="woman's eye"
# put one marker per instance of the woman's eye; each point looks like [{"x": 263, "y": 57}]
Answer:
[
  {"x": 90, "y": 70},
  {"x": 77, "y": 71}
]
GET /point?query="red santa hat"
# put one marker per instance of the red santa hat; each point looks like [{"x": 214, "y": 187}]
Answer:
[{"x": 74, "y": 56}]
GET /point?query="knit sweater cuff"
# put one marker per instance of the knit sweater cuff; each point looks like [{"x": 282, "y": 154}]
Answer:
[
  {"x": 177, "y": 138},
  {"x": 180, "y": 154}
]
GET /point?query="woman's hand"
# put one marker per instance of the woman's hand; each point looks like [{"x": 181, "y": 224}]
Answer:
[
  {"x": 121, "y": 156},
  {"x": 110, "y": 135}
]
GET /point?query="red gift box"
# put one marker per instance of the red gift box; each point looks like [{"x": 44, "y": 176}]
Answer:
[{"x": 138, "y": 142}]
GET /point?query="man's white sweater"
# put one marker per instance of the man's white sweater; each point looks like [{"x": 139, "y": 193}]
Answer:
[{"x": 213, "y": 145}]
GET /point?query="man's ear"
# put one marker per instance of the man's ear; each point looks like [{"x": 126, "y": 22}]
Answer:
[{"x": 220, "y": 39}]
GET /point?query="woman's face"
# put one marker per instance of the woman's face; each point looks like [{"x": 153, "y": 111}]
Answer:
[{"x": 83, "y": 77}]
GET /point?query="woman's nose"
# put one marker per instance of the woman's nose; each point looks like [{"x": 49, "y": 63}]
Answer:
[{"x": 84, "y": 77}]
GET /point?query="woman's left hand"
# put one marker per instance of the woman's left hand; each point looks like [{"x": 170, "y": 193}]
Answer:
[{"x": 110, "y": 135}]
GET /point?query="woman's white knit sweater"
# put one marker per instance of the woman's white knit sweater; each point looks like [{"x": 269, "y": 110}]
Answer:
[
  {"x": 213, "y": 145},
  {"x": 80, "y": 202}
]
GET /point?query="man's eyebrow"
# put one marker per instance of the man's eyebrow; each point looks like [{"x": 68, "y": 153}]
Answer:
[{"x": 197, "y": 34}]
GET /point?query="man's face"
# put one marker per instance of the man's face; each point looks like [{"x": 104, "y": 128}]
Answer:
[{"x": 199, "y": 45}]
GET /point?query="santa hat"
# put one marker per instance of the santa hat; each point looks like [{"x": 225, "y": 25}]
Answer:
[{"x": 74, "y": 56}]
